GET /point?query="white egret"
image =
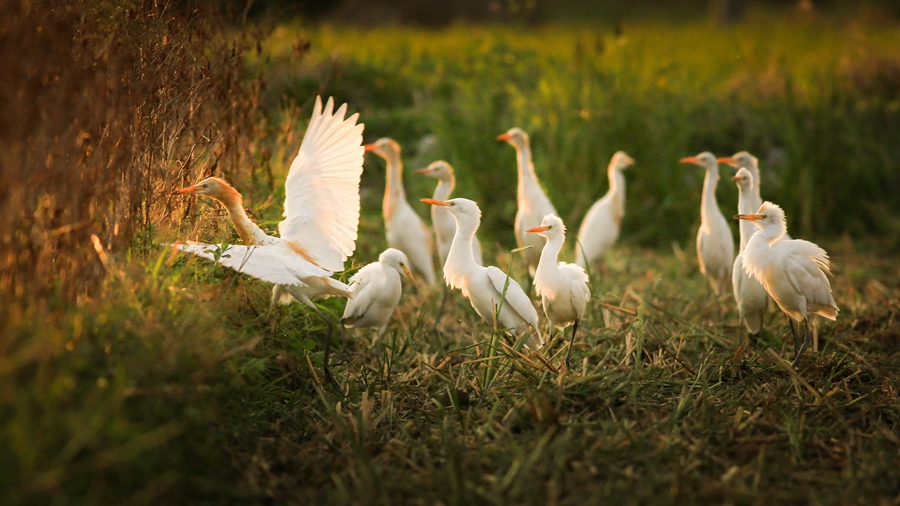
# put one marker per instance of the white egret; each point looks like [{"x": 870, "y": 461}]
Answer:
[
  {"x": 321, "y": 216},
  {"x": 744, "y": 160},
  {"x": 792, "y": 271},
  {"x": 376, "y": 292},
  {"x": 485, "y": 286},
  {"x": 404, "y": 228},
  {"x": 749, "y": 294},
  {"x": 715, "y": 244},
  {"x": 600, "y": 226},
  {"x": 563, "y": 287},
  {"x": 443, "y": 222},
  {"x": 533, "y": 203}
]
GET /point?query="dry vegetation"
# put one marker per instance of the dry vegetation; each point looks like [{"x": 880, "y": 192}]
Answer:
[{"x": 134, "y": 376}]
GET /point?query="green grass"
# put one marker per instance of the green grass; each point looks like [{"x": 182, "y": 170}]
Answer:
[{"x": 173, "y": 381}]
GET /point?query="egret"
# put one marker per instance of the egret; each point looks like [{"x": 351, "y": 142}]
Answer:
[
  {"x": 404, "y": 228},
  {"x": 715, "y": 244},
  {"x": 792, "y": 271},
  {"x": 600, "y": 227},
  {"x": 443, "y": 222},
  {"x": 749, "y": 294},
  {"x": 376, "y": 292},
  {"x": 744, "y": 160},
  {"x": 562, "y": 286},
  {"x": 532, "y": 202},
  {"x": 484, "y": 286},
  {"x": 321, "y": 216}
]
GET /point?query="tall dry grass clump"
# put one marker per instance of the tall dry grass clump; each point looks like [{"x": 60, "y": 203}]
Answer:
[{"x": 106, "y": 105}]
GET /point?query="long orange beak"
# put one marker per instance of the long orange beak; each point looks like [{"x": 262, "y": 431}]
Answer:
[
  {"x": 421, "y": 171},
  {"x": 370, "y": 147},
  {"x": 434, "y": 202},
  {"x": 690, "y": 159},
  {"x": 189, "y": 189},
  {"x": 749, "y": 217},
  {"x": 729, "y": 160},
  {"x": 538, "y": 229},
  {"x": 737, "y": 178},
  {"x": 504, "y": 137},
  {"x": 409, "y": 276}
]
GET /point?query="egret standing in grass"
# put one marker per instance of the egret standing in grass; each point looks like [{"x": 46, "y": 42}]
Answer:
[
  {"x": 376, "y": 292},
  {"x": 563, "y": 287},
  {"x": 749, "y": 294},
  {"x": 485, "y": 286},
  {"x": 533, "y": 204},
  {"x": 715, "y": 244},
  {"x": 321, "y": 215},
  {"x": 744, "y": 160},
  {"x": 600, "y": 227},
  {"x": 443, "y": 222},
  {"x": 404, "y": 228},
  {"x": 791, "y": 270}
]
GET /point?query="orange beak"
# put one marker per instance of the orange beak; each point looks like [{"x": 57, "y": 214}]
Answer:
[
  {"x": 748, "y": 217},
  {"x": 434, "y": 202},
  {"x": 535, "y": 230},
  {"x": 737, "y": 178},
  {"x": 421, "y": 171},
  {"x": 409, "y": 276},
  {"x": 504, "y": 137},
  {"x": 729, "y": 160},
  {"x": 370, "y": 147},
  {"x": 189, "y": 189},
  {"x": 690, "y": 159}
]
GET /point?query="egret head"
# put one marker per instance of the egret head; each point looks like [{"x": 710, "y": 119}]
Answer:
[
  {"x": 396, "y": 259},
  {"x": 743, "y": 179},
  {"x": 620, "y": 161},
  {"x": 462, "y": 209},
  {"x": 384, "y": 147},
  {"x": 769, "y": 215},
  {"x": 705, "y": 159},
  {"x": 439, "y": 170},
  {"x": 741, "y": 159},
  {"x": 213, "y": 187},
  {"x": 515, "y": 136},
  {"x": 551, "y": 226}
]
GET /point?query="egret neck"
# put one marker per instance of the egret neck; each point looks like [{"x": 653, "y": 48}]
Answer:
[
  {"x": 708, "y": 207},
  {"x": 393, "y": 193},
  {"x": 461, "y": 260},
  {"x": 250, "y": 232},
  {"x": 616, "y": 192},
  {"x": 548, "y": 268}
]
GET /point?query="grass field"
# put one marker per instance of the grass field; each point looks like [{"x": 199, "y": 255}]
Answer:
[{"x": 139, "y": 377}]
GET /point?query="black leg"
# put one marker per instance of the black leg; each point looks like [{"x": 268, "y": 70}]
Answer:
[
  {"x": 803, "y": 345},
  {"x": 794, "y": 333},
  {"x": 326, "y": 349},
  {"x": 571, "y": 342},
  {"x": 437, "y": 318}
]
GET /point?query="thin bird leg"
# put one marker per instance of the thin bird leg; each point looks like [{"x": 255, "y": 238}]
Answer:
[
  {"x": 794, "y": 333},
  {"x": 437, "y": 318},
  {"x": 326, "y": 348},
  {"x": 802, "y": 346},
  {"x": 343, "y": 338},
  {"x": 571, "y": 342}
]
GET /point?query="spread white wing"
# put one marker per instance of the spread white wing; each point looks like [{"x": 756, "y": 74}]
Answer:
[
  {"x": 273, "y": 263},
  {"x": 321, "y": 205}
]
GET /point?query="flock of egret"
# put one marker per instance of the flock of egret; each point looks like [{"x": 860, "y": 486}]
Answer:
[{"x": 321, "y": 216}]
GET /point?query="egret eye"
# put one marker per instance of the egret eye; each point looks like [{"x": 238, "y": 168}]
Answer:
[
  {"x": 765, "y": 216},
  {"x": 206, "y": 186},
  {"x": 453, "y": 203}
]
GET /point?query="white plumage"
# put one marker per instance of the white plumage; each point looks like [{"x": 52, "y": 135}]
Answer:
[
  {"x": 715, "y": 243},
  {"x": 376, "y": 291},
  {"x": 744, "y": 160},
  {"x": 563, "y": 287},
  {"x": 749, "y": 294},
  {"x": 404, "y": 229},
  {"x": 483, "y": 286},
  {"x": 600, "y": 227},
  {"x": 321, "y": 211},
  {"x": 791, "y": 270},
  {"x": 533, "y": 203},
  {"x": 443, "y": 222}
]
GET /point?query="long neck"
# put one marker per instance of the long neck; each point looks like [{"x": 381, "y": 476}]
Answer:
[
  {"x": 526, "y": 169},
  {"x": 250, "y": 232},
  {"x": 617, "y": 192},
  {"x": 445, "y": 188},
  {"x": 754, "y": 171},
  {"x": 549, "y": 265},
  {"x": 708, "y": 205},
  {"x": 393, "y": 191},
  {"x": 745, "y": 206},
  {"x": 772, "y": 233},
  {"x": 460, "y": 259}
]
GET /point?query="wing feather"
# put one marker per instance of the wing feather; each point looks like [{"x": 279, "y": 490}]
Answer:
[
  {"x": 516, "y": 298},
  {"x": 269, "y": 263},
  {"x": 321, "y": 206}
]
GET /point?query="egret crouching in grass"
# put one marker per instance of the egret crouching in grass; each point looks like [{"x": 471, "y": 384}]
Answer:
[
  {"x": 404, "y": 228},
  {"x": 443, "y": 222},
  {"x": 791, "y": 270},
  {"x": 715, "y": 244},
  {"x": 533, "y": 204},
  {"x": 321, "y": 216},
  {"x": 562, "y": 287},
  {"x": 600, "y": 227},
  {"x": 485, "y": 286},
  {"x": 749, "y": 294},
  {"x": 376, "y": 292}
]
